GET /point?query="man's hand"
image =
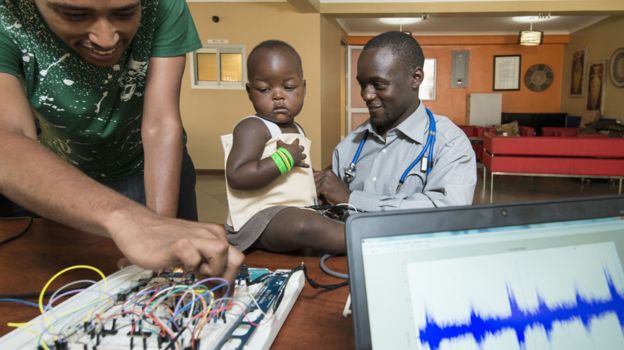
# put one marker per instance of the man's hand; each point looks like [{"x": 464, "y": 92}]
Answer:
[
  {"x": 329, "y": 187},
  {"x": 155, "y": 242}
]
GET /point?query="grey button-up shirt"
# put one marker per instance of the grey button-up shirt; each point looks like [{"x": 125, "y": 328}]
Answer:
[{"x": 382, "y": 161}]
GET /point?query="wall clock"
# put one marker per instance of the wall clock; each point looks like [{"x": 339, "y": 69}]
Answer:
[
  {"x": 538, "y": 77},
  {"x": 617, "y": 67}
]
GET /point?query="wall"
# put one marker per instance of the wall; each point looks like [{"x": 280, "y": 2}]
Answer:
[
  {"x": 207, "y": 114},
  {"x": 600, "y": 39},
  {"x": 452, "y": 102},
  {"x": 332, "y": 68}
]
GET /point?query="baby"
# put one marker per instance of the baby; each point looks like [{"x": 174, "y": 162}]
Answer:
[{"x": 269, "y": 181}]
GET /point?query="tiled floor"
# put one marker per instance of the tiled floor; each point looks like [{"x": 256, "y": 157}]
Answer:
[
  {"x": 212, "y": 201},
  {"x": 211, "y": 198}
]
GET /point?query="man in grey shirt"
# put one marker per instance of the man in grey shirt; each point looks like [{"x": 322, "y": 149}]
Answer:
[{"x": 399, "y": 159}]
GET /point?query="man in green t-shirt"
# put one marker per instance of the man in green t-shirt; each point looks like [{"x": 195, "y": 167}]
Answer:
[{"x": 102, "y": 80}]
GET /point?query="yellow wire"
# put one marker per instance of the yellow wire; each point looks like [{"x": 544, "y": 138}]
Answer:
[
  {"x": 41, "y": 295},
  {"x": 75, "y": 267},
  {"x": 24, "y": 325},
  {"x": 17, "y": 324},
  {"x": 45, "y": 287}
]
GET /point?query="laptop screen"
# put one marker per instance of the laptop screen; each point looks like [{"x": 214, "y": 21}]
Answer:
[{"x": 550, "y": 285}]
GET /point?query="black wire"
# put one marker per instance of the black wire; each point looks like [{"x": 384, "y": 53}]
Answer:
[
  {"x": 317, "y": 285},
  {"x": 26, "y": 295},
  {"x": 12, "y": 238},
  {"x": 19, "y": 234}
]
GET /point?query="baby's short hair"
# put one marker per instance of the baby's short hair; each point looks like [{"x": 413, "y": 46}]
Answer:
[{"x": 272, "y": 44}]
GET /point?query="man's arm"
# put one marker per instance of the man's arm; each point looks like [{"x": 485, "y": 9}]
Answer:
[
  {"x": 37, "y": 179},
  {"x": 451, "y": 182},
  {"x": 161, "y": 133}
]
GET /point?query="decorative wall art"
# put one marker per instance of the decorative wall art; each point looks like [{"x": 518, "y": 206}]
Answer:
[
  {"x": 595, "y": 85},
  {"x": 538, "y": 77},
  {"x": 577, "y": 73}
]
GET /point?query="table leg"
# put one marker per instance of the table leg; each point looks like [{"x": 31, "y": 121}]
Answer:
[
  {"x": 484, "y": 178},
  {"x": 491, "y": 186}
]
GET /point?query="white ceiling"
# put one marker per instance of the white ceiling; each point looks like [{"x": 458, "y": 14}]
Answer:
[
  {"x": 458, "y": 17},
  {"x": 468, "y": 25}
]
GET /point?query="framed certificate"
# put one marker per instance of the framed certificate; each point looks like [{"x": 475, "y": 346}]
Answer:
[{"x": 506, "y": 73}]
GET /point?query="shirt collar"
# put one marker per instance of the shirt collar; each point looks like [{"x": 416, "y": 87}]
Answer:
[{"x": 415, "y": 126}]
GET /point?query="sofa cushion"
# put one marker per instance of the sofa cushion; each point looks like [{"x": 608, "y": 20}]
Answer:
[
  {"x": 559, "y": 131},
  {"x": 522, "y": 131},
  {"x": 509, "y": 129}
]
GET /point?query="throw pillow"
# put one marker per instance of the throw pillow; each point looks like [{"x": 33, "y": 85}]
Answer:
[{"x": 509, "y": 129}]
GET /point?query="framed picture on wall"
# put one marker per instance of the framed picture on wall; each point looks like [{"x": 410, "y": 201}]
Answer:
[
  {"x": 506, "y": 73},
  {"x": 577, "y": 72},
  {"x": 595, "y": 85}
]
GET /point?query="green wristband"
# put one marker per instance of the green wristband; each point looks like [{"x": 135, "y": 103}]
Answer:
[
  {"x": 279, "y": 162},
  {"x": 287, "y": 153},
  {"x": 285, "y": 159}
]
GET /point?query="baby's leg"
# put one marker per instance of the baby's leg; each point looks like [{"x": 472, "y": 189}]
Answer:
[{"x": 294, "y": 228}]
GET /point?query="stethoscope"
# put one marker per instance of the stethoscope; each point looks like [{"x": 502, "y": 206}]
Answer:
[{"x": 423, "y": 157}]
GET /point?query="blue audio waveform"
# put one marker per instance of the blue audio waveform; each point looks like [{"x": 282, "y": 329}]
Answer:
[{"x": 519, "y": 320}]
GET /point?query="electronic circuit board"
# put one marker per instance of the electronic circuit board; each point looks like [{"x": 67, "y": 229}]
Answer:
[{"x": 138, "y": 309}]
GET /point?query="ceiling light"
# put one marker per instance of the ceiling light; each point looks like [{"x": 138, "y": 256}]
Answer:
[
  {"x": 400, "y": 20},
  {"x": 533, "y": 19},
  {"x": 530, "y": 37}
]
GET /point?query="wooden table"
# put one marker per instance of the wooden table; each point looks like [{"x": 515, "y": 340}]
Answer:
[{"x": 315, "y": 322}]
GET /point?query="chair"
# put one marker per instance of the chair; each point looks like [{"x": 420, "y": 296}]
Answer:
[{"x": 475, "y": 135}]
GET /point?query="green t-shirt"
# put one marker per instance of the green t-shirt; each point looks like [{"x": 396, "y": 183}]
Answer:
[{"x": 91, "y": 116}]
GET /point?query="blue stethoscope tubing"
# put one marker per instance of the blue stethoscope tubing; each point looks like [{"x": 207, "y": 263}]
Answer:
[{"x": 425, "y": 160}]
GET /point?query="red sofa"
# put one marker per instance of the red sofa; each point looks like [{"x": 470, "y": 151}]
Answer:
[
  {"x": 475, "y": 134},
  {"x": 559, "y": 131},
  {"x": 553, "y": 156}
]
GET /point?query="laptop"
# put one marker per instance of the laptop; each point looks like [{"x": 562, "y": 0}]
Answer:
[{"x": 538, "y": 275}]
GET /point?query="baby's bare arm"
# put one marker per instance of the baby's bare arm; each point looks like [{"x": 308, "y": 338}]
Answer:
[{"x": 245, "y": 170}]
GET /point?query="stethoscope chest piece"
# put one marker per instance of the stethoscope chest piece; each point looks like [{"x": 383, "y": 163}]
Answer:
[{"x": 349, "y": 173}]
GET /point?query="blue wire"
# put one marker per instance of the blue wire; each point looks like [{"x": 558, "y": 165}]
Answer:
[
  {"x": 204, "y": 296},
  {"x": 19, "y": 301}
]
